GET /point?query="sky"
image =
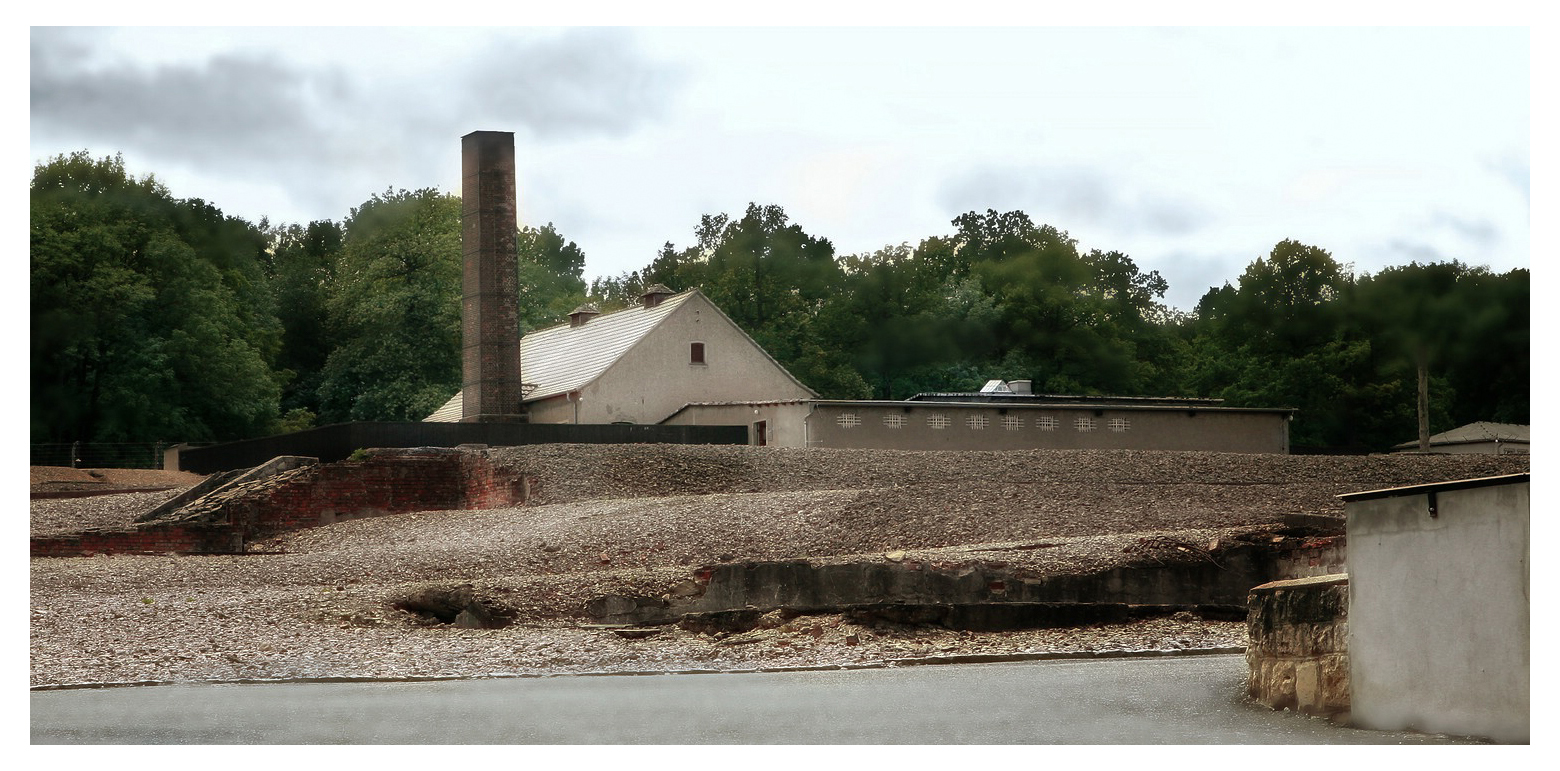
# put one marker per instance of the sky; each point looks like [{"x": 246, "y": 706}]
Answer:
[{"x": 1194, "y": 150}]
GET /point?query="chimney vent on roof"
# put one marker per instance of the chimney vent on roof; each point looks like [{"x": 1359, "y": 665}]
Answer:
[
  {"x": 1021, "y": 386},
  {"x": 582, "y": 314},
  {"x": 654, "y": 294}
]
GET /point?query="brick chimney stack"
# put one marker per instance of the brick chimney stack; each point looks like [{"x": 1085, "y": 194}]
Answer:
[{"x": 490, "y": 328}]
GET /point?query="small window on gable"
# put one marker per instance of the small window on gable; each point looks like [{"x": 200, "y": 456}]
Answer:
[{"x": 696, "y": 353}]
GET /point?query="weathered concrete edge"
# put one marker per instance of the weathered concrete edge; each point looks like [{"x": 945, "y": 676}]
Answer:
[{"x": 972, "y": 658}]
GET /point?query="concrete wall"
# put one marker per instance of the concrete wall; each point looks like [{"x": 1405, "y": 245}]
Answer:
[
  {"x": 338, "y": 441},
  {"x": 912, "y": 426},
  {"x": 1213, "y": 588},
  {"x": 784, "y": 424},
  {"x": 1439, "y": 609},
  {"x": 1298, "y": 654},
  {"x": 656, "y": 377}
]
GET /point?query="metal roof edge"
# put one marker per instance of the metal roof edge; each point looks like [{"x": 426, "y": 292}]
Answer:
[
  {"x": 1436, "y": 487},
  {"x": 1448, "y": 443},
  {"x": 1053, "y": 406}
]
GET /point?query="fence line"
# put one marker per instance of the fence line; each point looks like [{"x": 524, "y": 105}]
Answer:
[{"x": 101, "y": 454}]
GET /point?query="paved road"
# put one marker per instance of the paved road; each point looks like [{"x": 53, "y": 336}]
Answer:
[{"x": 1183, "y": 700}]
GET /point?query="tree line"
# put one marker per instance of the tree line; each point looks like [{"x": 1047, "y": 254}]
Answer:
[{"x": 156, "y": 318}]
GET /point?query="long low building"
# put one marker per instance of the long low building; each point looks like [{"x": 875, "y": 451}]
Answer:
[
  {"x": 1040, "y": 422},
  {"x": 677, "y": 359}
]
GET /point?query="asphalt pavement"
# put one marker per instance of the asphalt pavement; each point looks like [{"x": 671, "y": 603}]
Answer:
[{"x": 1161, "y": 700}]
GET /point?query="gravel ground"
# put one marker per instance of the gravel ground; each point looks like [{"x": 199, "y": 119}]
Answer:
[
  {"x": 637, "y": 519},
  {"x": 50, "y": 478},
  {"x": 60, "y": 516}
]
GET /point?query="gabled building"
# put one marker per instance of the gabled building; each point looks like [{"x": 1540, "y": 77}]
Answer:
[
  {"x": 1480, "y": 437},
  {"x": 676, "y": 359},
  {"x": 642, "y": 364}
]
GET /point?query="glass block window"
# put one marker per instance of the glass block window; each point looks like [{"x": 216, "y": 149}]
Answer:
[
  {"x": 977, "y": 422},
  {"x": 1120, "y": 424},
  {"x": 895, "y": 420},
  {"x": 1047, "y": 423},
  {"x": 1012, "y": 422},
  {"x": 848, "y": 420},
  {"x": 937, "y": 421},
  {"x": 1085, "y": 424}
]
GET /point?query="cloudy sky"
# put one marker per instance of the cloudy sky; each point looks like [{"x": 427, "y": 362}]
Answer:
[{"x": 1192, "y": 149}]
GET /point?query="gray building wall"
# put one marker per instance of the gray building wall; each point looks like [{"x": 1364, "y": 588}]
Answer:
[
  {"x": 915, "y": 426},
  {"x": 656, "y": 377},
  {"x": 1439, "y": 610}
]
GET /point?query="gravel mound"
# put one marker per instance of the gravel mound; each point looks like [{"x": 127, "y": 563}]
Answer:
[
  {"x": 584, "y": 472},
  {"x": 54, "y": 478},
  {"x": 636, "y": 519},
  {"x": 62, "y": 516}
]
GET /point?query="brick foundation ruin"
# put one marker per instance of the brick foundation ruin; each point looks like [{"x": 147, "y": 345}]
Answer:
[{"x": 225, "y": 521}]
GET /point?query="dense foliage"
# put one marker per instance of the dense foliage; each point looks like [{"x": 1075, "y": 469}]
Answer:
[{"x": 155, "y": 318}]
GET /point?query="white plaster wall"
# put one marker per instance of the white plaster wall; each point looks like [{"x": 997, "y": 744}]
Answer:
[
  {"x": 785, "y": 423},
  {"x": 1438, "y": 612},
  {"x": 655, "y": 378}
]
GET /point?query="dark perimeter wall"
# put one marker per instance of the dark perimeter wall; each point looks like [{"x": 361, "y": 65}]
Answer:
[{"x": 333, "y": 443}]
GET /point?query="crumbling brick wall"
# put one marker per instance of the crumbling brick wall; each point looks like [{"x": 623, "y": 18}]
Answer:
[
  {"x": 390, "y": 481},
  {"x": 162, "y": 539}
]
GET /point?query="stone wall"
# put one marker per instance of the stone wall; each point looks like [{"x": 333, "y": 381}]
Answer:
[{"x": 1298, "y": 654}]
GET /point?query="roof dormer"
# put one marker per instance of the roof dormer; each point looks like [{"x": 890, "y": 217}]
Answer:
[
  {"x": 654, "y": 294},
  {"x": 582, "y": 314}
]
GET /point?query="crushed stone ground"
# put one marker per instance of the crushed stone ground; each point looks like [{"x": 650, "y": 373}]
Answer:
[{"x": 638, "y": 518}]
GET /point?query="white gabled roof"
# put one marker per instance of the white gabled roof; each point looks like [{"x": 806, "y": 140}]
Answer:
[{"x": 566, "y": 358}]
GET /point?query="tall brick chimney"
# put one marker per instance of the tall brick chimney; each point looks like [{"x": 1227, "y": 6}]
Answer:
[{"x": 490, "y": 330}]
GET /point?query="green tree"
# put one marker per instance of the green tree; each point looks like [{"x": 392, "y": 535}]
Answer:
[
  {"x": 1492, "y": 373},
  {"x": 1443, "y": 321},
  {"x": 302, "y": 266},
  {"x": 394, "y": 310},
  {"x": 1074, "y": 321},
  {"x": 910, "y": 322},
  {"x": 151, "y": 318},
  {"x": 1282, "y": 339},
  {"x": 549, "y": 277},
  {"x": 773, "y": 279}
]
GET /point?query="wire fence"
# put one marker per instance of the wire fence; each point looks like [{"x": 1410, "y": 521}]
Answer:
[{"x": 102, "y": 454}]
